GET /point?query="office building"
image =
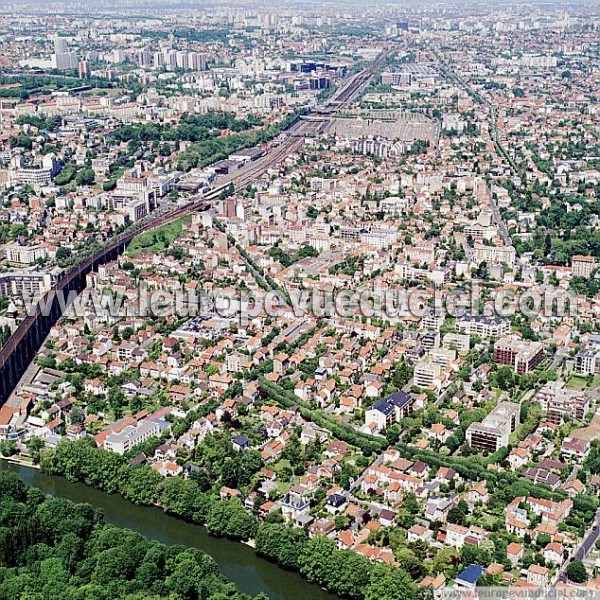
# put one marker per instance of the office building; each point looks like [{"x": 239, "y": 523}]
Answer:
[{"x": 24, "y": 255}]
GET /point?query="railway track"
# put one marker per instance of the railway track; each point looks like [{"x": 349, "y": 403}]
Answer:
[{"x": 21, "y": 347}]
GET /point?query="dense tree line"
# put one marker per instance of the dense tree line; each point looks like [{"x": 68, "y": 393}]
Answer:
[
  {"x": 31, "y": 85},
  {"x": 45, "y": 123},
  {"x": 343, "y": 572},
  {"x": 367, "y": 443},
  {"x": 53, "y": 548},
  {"x": 192, "y": 128}
]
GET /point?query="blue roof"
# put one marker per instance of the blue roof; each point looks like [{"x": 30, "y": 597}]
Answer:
[
  {"x": 471, "y": 574},
  {"x": 386, "y": 405},
  {"x": 241, "y": 439}
]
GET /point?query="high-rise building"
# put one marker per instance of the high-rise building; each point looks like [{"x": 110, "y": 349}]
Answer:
[
  {"x": 197, "y": 61},
  {"x": 118, "y": 56},
  {"x": 158, "y": 59},
  {"x": 182, "y": 60},
  {"x": 61, "y": 45},
  {"x": 85, "y": 70},
  {"x": 63, "y": 59},
  {"x": 143, "y": 58}
]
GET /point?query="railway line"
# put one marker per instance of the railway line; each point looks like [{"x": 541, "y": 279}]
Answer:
[{"x": 22, "y": 346}]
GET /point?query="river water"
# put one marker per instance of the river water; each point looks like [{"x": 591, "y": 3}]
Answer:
[{"x": 238, "y": 562}]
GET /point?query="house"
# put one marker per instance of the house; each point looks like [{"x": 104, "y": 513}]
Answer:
[
  {"x": 575, "y": 449},
  {"x": 437, "y": 508},
  {"x": 574, "y": 487},
  {"x": 456, "y": 535},
  {"x": 438, "y": 432},
  {"x": 518, "y": 458},
  {"x": 335, "y": 503},
  {"x": 437, "y": 584},
  {"x": 514, "y": 553},
  {"x": 168, "y": 468},
  {"x": 478, "y": 494},
  {"x": 226, "y": 493},
  {"x": 553, "y": 553},
  {"x": 468, "y": 578},
  {"x": 446, "y": 475},
  {"x": 387, "y": 517},
  {"x": 321, "y": 527},
  {"x": 294, "y": 504},
  {"x": 240, "y": 442},
  {"x": 418, "y": 532},
  {"x": 517, "y": 526},
  {"x": 336, "y": 448},
  {"x": 538, "y": 575}
]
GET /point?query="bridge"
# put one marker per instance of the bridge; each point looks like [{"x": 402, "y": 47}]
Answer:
[{"x": 27, "y": 339}]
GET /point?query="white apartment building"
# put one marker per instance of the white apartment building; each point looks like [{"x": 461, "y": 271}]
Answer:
[
  {"x": 24, "y": 255},
  {"x": 494, "y": 431},
  {"x": 484, "y": 327},
  {"x": 427, "y": 373},
  {"x": 131, "y": 436}
]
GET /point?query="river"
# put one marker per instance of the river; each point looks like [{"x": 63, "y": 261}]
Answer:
[{"x": 238, "y": 562}]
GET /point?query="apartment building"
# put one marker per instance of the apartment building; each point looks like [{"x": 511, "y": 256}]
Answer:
[
  {"x": 558, "y": 401},
  {"x": 390, "y": 410},
  {"x": 131, "y": 436},
  {"x": 484, "y": 327},
  {"x": 24, "y": 255},
  {"x": 456, "y": 341},
  {"x": 427, "y": 373},
  {"x": 494, "y": 431},
  {"x": 523, "y": 355},
  {"x": 494, "y": 255},
  {"x": 587, "y": 360},
  {"x": 583, "y": 266}
]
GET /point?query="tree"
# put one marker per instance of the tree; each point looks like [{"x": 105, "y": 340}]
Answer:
[
  {"x": 8, "y": 447},
  {"x": 505, "y": 378},
  {"x": 281, "y": 543},
  {"x": 63, "y": 254},
  {"x": 85, "y": 177},
  {"x": 35, "y": 445},
  {"x": 390, "y": 583},
  {"x": 11, "y": 486},
  {"x": 576, "y": 572},
  {"x": 229, "y": 518},
  {"x": 458, "y": 514}
]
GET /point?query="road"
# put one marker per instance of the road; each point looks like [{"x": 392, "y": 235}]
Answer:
[
  {"x": 493, "y": 131},
  {"x": 589, "y": 539},
  {"x": 294, "y": 140}
]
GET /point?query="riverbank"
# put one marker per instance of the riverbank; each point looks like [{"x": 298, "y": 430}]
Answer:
[
  {"x": 19, "y": 460},
  {"x": 237, "y": 561}
]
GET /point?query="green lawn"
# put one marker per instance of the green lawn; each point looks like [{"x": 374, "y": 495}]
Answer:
[
  {"x": 579, "y": 383},
  {"x": 157, "y": 240}
]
